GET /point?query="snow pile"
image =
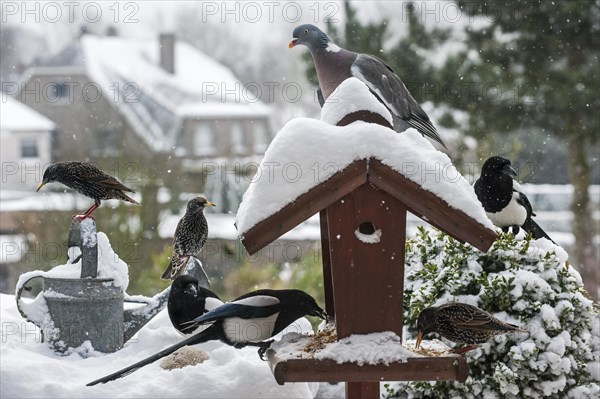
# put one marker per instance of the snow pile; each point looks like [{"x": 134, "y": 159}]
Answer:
[
  {"x": 30, "y": 369},
  {"x": 527, "y": 283},
  {"x": 350, "y": 96},
  {"x": 376, "y": 348},
  {"x": 307, "y": 152}
]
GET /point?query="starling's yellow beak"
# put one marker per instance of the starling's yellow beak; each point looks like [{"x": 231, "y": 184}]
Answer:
[
  {"x": 208, "y": 203},
  {"x": 419, "y": 339},
  {"x": 42, "y": 184}
]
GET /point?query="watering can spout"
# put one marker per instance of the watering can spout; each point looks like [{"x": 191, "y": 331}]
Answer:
[{"x": 136, "y": 318}]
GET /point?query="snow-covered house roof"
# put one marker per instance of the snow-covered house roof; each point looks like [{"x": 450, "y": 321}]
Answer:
[
  {"x": 17, "y": 116},
  {"x": 154, "y": 101}
]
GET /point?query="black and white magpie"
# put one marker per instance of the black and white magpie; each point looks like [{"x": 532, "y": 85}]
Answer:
[
  {"x": 249, "y": 320},
  {"x": 187, "y": 300},
  {"x": 503, "y": 200}
]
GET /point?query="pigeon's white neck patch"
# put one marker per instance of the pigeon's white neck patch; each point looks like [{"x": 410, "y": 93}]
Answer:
[{"x": 332, "y": 47}]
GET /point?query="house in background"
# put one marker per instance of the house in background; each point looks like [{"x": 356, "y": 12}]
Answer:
[
  {"x": 25, "y": 141},
  {"x": 159, "y": 108},
  {"x": 161, "y": 116}
]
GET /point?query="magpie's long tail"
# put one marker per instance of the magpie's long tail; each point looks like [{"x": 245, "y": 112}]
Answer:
[
  {"x": 206, "y": 335},
  {"x": 536, "y": 231}
]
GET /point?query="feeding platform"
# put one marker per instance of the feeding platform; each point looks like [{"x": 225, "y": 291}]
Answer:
[
  {"x": 321, "y": 358},
  {"x": 362, "y": 208}
]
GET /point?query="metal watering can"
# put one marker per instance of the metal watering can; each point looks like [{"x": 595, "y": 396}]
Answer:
[{"x": 91, "y": 308}]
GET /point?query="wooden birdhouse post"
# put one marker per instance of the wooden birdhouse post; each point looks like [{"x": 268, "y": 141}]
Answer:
[{"x": 363, "y": 211}]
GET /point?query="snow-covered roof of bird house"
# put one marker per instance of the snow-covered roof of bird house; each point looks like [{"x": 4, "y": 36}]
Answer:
[{"x": 313, "y": 163}]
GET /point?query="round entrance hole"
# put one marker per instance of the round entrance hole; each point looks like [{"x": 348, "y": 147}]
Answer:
[
  {"x": 367, "y": 228},
  {"x": 368, "y": 233}
]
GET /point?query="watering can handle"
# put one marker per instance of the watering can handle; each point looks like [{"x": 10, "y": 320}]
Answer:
[
  {"x": 18, "y": 299},
  {"x": 86, "y": 240}
]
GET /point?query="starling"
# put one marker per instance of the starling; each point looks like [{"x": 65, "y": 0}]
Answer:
[
  {"x": 190, "y": 236},
  {"x": 461, "y": 323},
  {"x": 88, "y": 180}
]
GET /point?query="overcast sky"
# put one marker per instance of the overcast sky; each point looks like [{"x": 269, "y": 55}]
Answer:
[{"x": 251, "y": 20}]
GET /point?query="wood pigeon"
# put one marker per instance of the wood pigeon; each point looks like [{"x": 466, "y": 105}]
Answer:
[{"x": 334, "y": 65}]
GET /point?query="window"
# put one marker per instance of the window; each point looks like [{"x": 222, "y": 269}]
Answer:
[
  {"x": 108, "y": 141},
  {"x": 204, "y": 140},
  {"x": 29, "y": 148},
  {"x": 261, "y": 137},
  {"x": 237, "y": 138},
  {"x": 59, "y": 93}
]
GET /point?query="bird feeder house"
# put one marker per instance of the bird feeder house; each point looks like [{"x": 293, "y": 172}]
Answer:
[{"x": 363, "y": 209}]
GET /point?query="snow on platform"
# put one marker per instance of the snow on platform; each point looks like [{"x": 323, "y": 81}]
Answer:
[
  {"x": 376, "y": 348},
  {"x": 30, "y": 369},
  {"x": 307, "y": 152}
]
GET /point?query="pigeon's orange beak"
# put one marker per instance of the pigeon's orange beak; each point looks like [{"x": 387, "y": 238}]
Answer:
[
  {"x": 419, "y": 339},
  {"x": 292, "y": 43}
]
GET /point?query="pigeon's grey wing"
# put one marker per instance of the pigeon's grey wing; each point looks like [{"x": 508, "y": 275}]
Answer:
[
  {"x": 391, "y": 91},
  {"x": 320, "y": 97},
  {"x": 380, "y": 79}
]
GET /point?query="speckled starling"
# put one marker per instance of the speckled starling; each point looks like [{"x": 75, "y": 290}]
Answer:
[
  {"x": 190, "y": 236},
  {"x": 461, "y": 323},
  {"x": 88, "y": 180}
]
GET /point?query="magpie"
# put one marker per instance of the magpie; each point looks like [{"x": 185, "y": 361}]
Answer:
[
  {"x": 187, "y": 300},
  {"x": 249, "y": 320},
  {"x": 503, "y": 200}
]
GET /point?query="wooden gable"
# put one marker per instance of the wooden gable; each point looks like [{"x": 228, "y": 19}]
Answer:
[{"x": 418, "y": 201}]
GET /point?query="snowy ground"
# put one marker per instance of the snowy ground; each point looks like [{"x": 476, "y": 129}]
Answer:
[{"x": 30, "y": 369}]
